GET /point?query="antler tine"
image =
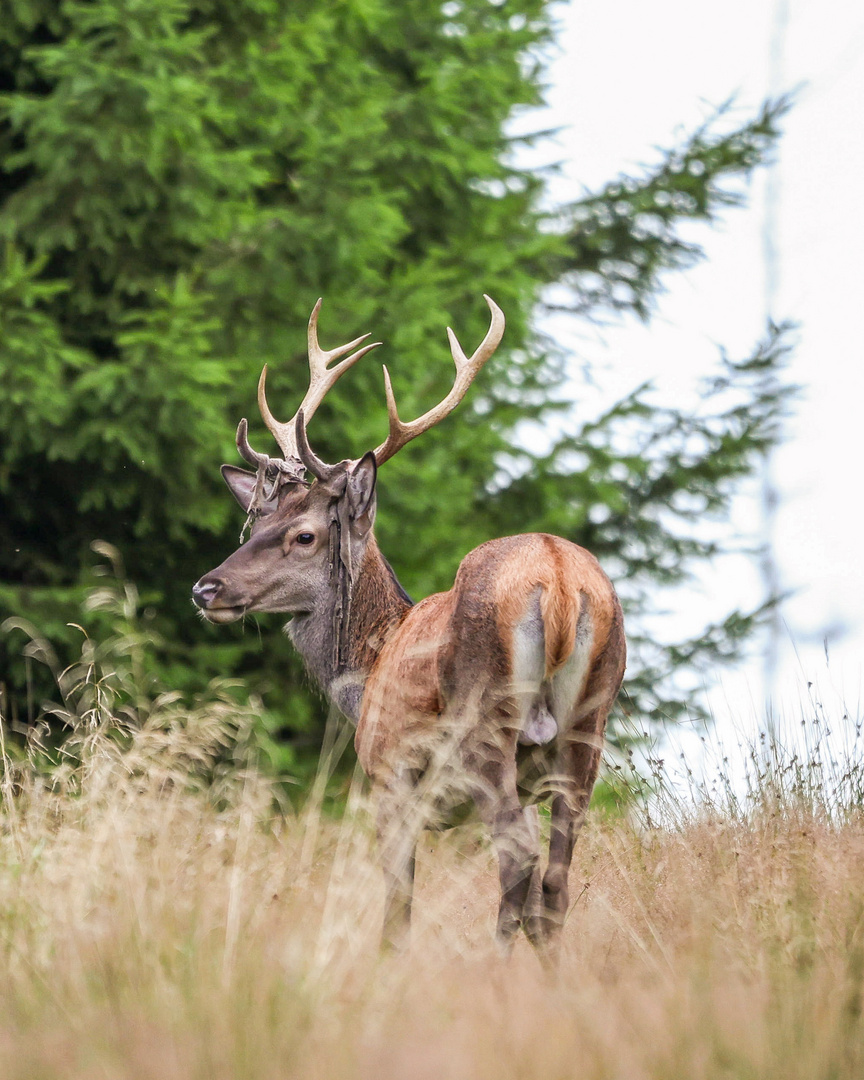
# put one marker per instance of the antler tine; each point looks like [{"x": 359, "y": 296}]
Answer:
[
  {"x": 321, "y": 379},
  {"x": 466, "y": 371},
  {"x": 311, "y": 462},
  {"x": 319, "y": 358},
  {"x": 246, "y": 451}
]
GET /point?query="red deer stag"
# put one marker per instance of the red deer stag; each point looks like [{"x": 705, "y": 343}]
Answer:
[{"x": 495, "y": 692}]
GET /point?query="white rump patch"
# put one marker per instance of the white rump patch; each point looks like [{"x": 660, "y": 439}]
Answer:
[
  {"x": 537, "y": 725},
  {"x": 547, "y": 708},
  {"x": 568, "y": 683}
]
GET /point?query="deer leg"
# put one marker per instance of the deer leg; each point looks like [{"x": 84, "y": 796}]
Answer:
[
  {"x": 397, "y": 832},
  {"x": 518, "y": 858},
  {"x": 576, "y": 771},
  {"x": 516, "y": 837},
  {"x": 532, "y": 913},
  {"x": 578, "y": 761}
]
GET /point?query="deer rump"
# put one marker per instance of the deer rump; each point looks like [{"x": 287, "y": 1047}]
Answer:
[{"x": 499, "y": 666}]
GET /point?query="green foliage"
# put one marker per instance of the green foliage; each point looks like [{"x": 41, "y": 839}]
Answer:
[
  {"x": 113, "y": 707},
  {"x": 181, "y": 179}
]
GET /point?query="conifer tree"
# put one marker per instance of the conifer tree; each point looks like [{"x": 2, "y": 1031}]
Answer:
[{"x": 181, "y": 179}]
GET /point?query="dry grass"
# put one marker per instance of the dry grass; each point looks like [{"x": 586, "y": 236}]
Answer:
[
  {"x": 159, "y": 920},
  {"x": 147, "y": 933}
]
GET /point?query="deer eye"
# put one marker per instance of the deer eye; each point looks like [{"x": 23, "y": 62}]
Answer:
[{"x": 305, "y": 538}]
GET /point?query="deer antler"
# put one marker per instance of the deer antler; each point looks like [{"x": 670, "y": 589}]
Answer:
[
  {"x": 466, "y": 372},
  {"x": 321, "y": 379},
  {"x": 400, "y": 434}
]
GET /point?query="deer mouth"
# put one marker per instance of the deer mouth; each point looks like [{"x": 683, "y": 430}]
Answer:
[{"x": 223, "y": 614}]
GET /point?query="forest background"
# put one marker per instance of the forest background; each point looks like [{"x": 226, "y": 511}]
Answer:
[{"x": 180, "y": 181}]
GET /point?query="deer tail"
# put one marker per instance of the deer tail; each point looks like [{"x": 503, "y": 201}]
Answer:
[{"x": 560, "y": 608}]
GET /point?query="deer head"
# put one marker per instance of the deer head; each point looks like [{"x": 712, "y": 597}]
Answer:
[{"x": 309, "y": 538}]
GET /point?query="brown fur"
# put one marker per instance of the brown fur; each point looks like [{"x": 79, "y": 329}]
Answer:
[
  {"x": 375, "y": 610},
  {"x": 403, "y": 690},
  {"x": 471, "y": 626}
]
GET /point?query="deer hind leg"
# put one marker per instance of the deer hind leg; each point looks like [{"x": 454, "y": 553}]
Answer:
[
  {"x": 517, "y": 843},
  {"x": 532, "y": 911},
  {"x": 575, "y": 771},
  {"x": 514, "y": 833},
  {"x": 398, "y": 824}
]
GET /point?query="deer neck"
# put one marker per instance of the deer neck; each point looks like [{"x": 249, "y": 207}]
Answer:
[{"x": 340, "y": 642}]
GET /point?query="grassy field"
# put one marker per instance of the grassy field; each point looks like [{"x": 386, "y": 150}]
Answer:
[
  {"x": 158, "y": 919},
  {"x": 149, "y": 930}
]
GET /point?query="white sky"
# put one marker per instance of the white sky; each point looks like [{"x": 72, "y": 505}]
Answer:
[{"x": 633, "y": 76}]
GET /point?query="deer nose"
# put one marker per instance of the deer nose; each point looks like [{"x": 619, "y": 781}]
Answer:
[{"x": 203, "y": 595}]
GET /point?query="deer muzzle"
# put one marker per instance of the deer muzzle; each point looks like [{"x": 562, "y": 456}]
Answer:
[{"x": 207, "y": 596}]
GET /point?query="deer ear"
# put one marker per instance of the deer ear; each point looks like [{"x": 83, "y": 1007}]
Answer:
[
  {"x": 242, "y": 486},
  {"x": 361, "y": 493}
]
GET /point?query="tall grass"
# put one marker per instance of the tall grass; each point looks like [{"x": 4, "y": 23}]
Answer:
[{"x": 161, "y": 915}]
